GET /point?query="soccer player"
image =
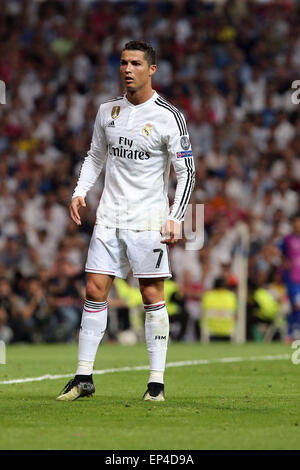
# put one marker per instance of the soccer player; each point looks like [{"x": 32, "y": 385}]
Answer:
[
  {"x": 290, "y": 248},
  {"x": 138, "y": 136}
]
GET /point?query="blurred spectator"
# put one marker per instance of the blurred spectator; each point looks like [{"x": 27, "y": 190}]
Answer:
[
  {"x": 265, "y": 308},
  {"x": 218, "y": 312},
  {"x": 65, "y": 292},
  {"x": 290, "y": 247},
  {"x": 34, "y": 314},
  {"x": 176, "y": 309},
  {"x": 8, "y": 311}
]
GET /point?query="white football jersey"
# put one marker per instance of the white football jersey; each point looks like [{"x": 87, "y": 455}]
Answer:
[{"x": 138, "y": 143}]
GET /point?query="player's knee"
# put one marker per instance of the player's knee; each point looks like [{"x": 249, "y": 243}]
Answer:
[
  {"x": 151, "y": 294},
  {"x": 95, "y": 291}
]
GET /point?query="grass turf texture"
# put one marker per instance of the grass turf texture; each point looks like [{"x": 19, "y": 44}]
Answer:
[{"x": 242, "y": 405}]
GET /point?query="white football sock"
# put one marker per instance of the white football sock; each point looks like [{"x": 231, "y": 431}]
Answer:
[
  {"x": 156, "y": 376},
  {"x": 85, "y": 367},
  {"x": 157, "y": 335},
  {"x": 93, "y": 326}
]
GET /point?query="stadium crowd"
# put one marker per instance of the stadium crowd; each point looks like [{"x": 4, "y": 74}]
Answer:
[{"x": 229, "y": 66}]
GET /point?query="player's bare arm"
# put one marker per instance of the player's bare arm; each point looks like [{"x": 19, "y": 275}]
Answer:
[{"x": 76, "y": 204}]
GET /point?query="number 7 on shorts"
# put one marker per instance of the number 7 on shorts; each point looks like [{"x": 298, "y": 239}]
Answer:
[{"x": 161, "y": 252}]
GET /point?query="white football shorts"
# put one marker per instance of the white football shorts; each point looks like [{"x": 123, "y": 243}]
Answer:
[{"x": 115, "y": 251}]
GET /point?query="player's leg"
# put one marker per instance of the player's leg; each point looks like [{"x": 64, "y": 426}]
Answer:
[
  {"x": 92, "y": 329},
  {"x": 94, "y": 320},
  {"x": 149, "y": 259},
  {"x": 106, "y": 259},
  {"x": 156, "y": 333}
]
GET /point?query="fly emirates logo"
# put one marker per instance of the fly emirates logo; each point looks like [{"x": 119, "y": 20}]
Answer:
[{"x": 126, "y": 149}]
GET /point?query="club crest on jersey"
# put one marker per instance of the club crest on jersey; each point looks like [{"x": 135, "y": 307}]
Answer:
[
  {"x": 185, "y": 142},
  {"x": 115, "y": 112},
  {"x": 147, "y": 130}
]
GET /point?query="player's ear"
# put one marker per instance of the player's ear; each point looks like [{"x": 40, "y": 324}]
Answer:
[{"x": 152, "y": 70}]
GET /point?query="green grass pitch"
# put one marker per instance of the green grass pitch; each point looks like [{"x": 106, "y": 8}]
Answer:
[{"x": 248, "y": 404}]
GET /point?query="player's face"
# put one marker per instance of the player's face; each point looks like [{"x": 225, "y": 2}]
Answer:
[{"x": 135, "y": 71}]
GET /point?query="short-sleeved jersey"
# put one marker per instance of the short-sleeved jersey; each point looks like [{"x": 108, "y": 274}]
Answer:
[{"x": 138, "y": 143}]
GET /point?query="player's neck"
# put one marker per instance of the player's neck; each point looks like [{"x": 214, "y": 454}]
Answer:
[{"x": 139, "y": 96}]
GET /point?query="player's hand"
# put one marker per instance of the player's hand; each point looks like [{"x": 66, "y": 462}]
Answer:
[
  {"x": 76, "y": 203},
  {"x": 171, "y": 232}
]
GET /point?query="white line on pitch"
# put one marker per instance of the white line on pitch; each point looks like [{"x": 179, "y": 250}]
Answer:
[{"x": 200, "y": 362}]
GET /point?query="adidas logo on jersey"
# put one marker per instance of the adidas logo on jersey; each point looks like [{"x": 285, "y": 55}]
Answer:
[{"x": 111, "y": 124}]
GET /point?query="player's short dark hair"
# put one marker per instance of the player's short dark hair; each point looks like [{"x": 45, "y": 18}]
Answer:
[{"x": 149, "y": 52}]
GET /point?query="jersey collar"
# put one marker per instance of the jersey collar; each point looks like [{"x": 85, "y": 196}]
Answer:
[{"x": 153, "y": 98}]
